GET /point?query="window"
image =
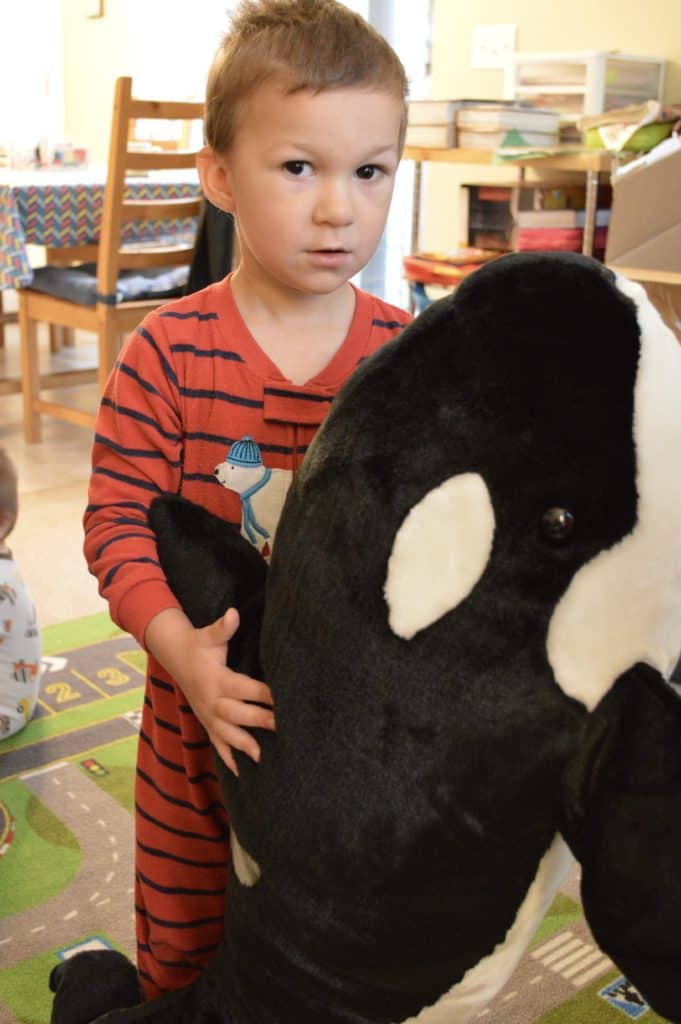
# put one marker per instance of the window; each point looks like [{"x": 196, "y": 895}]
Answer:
[
  {"x": 31, "y": 113},
  {"x": 406, "y": 24}
]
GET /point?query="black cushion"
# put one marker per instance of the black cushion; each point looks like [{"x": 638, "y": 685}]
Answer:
[{"x": 79, "y": 284}]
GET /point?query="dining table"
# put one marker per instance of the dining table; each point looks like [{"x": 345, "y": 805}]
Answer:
[{"x": 62, "y": 207}]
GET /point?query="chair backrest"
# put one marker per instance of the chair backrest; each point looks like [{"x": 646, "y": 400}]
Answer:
[
  {"x": 150, "y": 135},
  {"x": 115, "y": 255}
]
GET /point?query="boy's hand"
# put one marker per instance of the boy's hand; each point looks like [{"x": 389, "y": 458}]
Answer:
[{"x": 223, "y": 701}]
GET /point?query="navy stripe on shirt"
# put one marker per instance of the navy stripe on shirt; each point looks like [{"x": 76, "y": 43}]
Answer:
[
  {"x": 295, "y": 395},
  {"x": 192, "y": 313},
  {"x": 389, "y": 324},
  {"x": 133, "y": 414},
  {"x": 210, "y": 353}
]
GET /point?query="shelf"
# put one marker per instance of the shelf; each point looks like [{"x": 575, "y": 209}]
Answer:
[
  {"x": 552, "y": 90},
  {"x": 652, "y": 276},
  {"x": 450, "y": 156},
  {"x": 591, "y": 163},
  {"x": 595, "y": 160}
]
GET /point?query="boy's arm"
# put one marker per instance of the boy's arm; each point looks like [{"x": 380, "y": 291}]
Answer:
[
  {"x": 220, "y": 698},
  {"x": 136, "y": 457},
  {"x": 209, "y": 567}
]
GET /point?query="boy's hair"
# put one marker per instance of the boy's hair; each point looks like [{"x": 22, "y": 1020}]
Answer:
[
  {"x": 9, "y": 500},
  {"x": 304, "y": 44}
]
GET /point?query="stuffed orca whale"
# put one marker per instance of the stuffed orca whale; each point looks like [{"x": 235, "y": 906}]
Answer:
[{"x": 469, "y": 623}]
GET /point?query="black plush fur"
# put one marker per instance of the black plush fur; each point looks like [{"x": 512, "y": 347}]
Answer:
[
  {"x": 401, "y": 809},
  {"x": 113, "y": 984},
  {"x": 196, "y": 572}
]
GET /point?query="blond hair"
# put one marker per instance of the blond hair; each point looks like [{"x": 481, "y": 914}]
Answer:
[
  {"x": 303, "y": 44},
  {"x": 9, "y": 500}
]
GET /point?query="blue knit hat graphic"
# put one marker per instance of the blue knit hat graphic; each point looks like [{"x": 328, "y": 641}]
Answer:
[{"x": 244, "y": 453}]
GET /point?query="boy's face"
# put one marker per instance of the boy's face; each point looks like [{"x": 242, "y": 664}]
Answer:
[{"x": 309, "y": 178}]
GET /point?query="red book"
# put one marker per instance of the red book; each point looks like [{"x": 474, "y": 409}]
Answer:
[
  {"x": 557, "y": 239},
  {"x": 445, "y": 268}
]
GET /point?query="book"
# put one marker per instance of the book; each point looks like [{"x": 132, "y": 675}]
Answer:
[
  {"x": 445, "y": 268},
  {"x": 489, "y": 138},
  {"x": 559, "y": 218},
  {"x": 497, "y": 118},
  {"x": 436, "y": 136},
  {"x": 508, "y": 154},
  {"x": 557, "y": 239},
  {"x": 445, "y": 111},
  {"x": 429, "y": 112}
]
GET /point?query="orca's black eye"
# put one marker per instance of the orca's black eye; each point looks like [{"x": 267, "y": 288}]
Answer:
[{"x": 557, "y": 525}]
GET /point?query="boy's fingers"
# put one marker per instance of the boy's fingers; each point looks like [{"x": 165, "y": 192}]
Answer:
[
  {"x": 224, "y": 751},
  {"x": 239, "y": 739},
  {"x": 230, "y": 622},
  {"x": 242, "y": 687},
  {"x": 238, "y": 713},
  {"x": 223, "y": 629}
]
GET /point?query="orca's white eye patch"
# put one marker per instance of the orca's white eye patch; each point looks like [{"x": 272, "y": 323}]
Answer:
[
  {"x": 622, "y": 606},
  {"x": 439, "y": 553},
  {"x": 247, "y": 870}
]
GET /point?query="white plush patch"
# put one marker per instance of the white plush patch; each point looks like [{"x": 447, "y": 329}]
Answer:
[
  {"x": 623, "y": 606},
  {"x": 439, "y": 553},
  {"x": 247, "y": 870},
  {"x": 481, "y": 983}
]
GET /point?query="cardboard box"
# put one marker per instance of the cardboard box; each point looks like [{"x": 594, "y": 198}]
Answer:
[
  {"x": 667, "y": 301},
  {"x": 645, "y": 222}
]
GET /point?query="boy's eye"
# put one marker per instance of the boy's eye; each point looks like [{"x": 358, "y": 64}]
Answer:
[
  {"x": 367, "y": 172},
  {"x": 297, "y": 167}
]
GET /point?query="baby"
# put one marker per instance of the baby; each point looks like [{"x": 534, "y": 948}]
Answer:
[{"x": 19, "y": 636}]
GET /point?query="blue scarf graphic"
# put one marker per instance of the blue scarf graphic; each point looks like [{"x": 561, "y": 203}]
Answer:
[{"x": 249, "y": 522}]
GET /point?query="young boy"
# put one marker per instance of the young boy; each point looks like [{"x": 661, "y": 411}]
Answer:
[
  {"x": 19, "y": 637},
  {"x": 217, "y": 397}
]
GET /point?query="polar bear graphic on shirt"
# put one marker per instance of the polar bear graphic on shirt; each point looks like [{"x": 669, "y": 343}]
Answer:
[{"x": 262, "y": 491}]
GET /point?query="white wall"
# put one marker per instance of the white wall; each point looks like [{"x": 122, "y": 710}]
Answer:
[
  {"x": 166, "y": 45},
  {"x": 31, "y": 111}
]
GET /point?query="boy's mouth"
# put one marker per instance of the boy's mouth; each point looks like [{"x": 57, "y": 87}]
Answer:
[{"x": 329, "y": 257}]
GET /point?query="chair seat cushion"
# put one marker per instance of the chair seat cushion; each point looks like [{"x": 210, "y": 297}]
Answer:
[{"x": 79, "y": 284}]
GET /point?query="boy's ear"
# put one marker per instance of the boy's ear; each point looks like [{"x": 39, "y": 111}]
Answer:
[{"x": 214, "y": 175}]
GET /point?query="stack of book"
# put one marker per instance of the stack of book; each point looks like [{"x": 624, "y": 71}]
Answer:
[
  {"x": 445, "y": 268},
  {"x": 487, "y": 127},
  {"x": 431, "y": 123},
  {"x": 548, "y": 230},
  {"x": 479, "y": 124}
]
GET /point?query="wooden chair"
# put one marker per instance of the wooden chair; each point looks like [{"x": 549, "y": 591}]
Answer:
[
  {"x": 108, "y": 316},
  {"x": 5, "y": 318},
  {"x": 139, "y": 136}
]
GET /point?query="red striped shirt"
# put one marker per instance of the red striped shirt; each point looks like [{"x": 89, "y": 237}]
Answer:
[{"x": 190, "y": 382}]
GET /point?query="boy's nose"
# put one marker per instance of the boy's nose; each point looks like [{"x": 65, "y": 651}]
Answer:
[{"x": 334, "y": 204}]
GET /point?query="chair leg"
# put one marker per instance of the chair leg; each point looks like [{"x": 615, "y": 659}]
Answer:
[
  {"x": 107, "y": 350},
  {"x": 30, "y": 371},
  {"x": 61, "y": 337},
  {"x": 5, "y": 318}
]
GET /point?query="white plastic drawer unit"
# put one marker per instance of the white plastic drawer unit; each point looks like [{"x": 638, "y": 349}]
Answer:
[{"x": 583, "y": 82}]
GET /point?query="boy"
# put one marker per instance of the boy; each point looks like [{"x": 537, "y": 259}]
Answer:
[
  {"x": 217, "y": 397},
  {"x": 19, "y": 637}
]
